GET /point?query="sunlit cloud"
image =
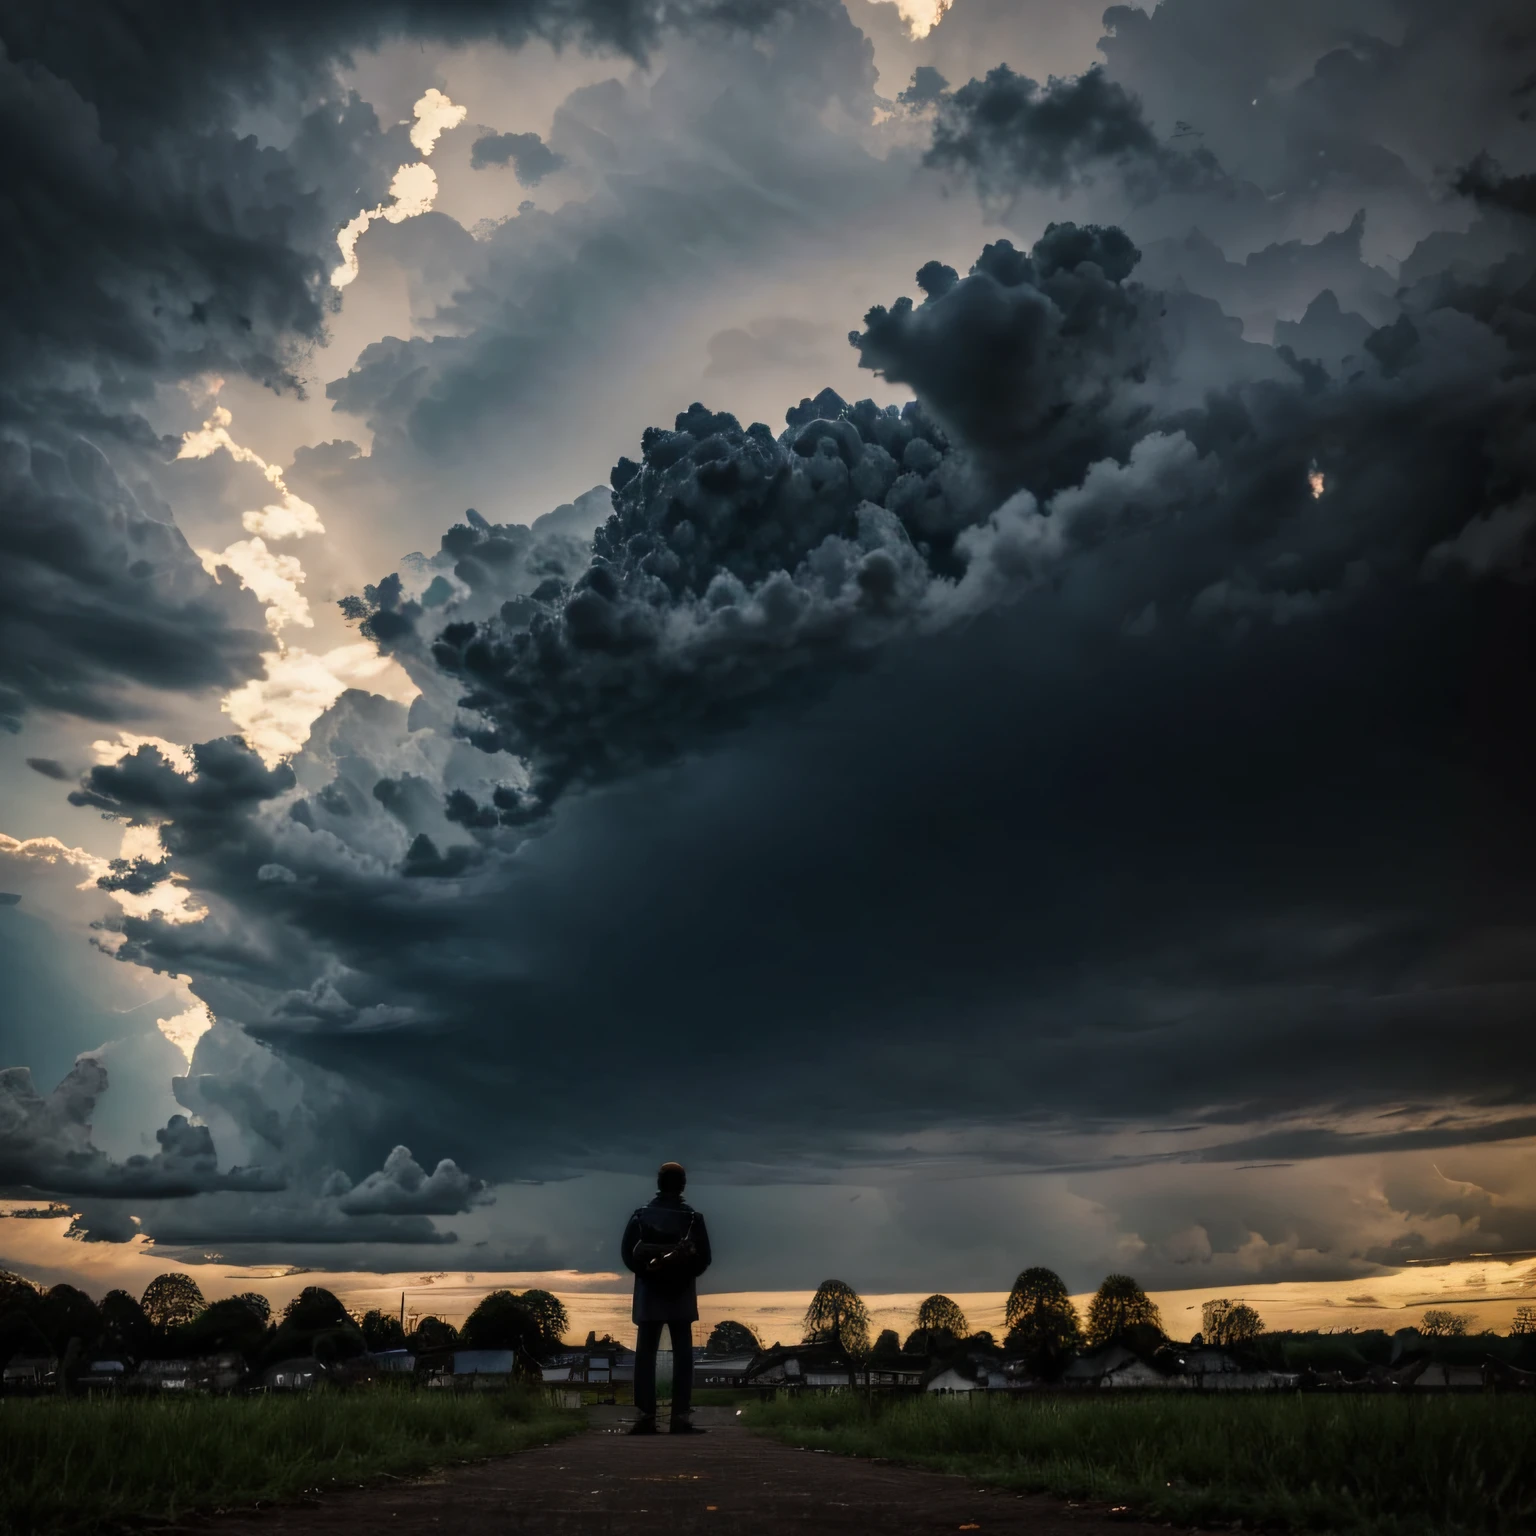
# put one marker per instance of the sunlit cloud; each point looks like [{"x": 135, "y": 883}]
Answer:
[
  {"x": 289, "y": 517},
  {"x": 435, "y": 114},
  {"x": 168, "y": 899},
  {"x": 273, "y": 577},
  {"x": 414, "y": 188},
  {"x": 275, "y": 713},
  {"x": 922, "y": 16},
  {"x": 184, "y": 1030},
  {"x": 110, "y": 750}
]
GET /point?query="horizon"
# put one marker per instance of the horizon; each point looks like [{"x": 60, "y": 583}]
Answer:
[{"x": 1487, "y": 1288}]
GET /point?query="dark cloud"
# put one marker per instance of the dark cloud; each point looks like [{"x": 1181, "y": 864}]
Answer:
[
  {"x": 1010, "y": 131},
  {"x": 154, "y": 239},
  {"x": 45, "y": 1144},
  {"x": 1127, "y": 740},
  {"x": 700, "y": 183},
  {"x": 529, "y": 156},
  {"x": 49, "y": 767},
  {"x": 1177, "y": 645}
]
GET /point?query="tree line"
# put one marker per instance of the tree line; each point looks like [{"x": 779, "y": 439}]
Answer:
[
  {"x": 172, "y": 1320},
  {"x": 1044, "y": 1328}
]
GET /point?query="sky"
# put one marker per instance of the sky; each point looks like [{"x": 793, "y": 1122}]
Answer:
[{"x": 927, "y": 612}]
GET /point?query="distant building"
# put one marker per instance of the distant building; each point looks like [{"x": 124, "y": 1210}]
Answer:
[
  {"x": 30, "y": 1373},
  {"x": 393, "y": 1362},
  {"x": 972, "y": 1373},
  {"x": 722, "y": 1370},
  {"x": 1187, "y": 1368},
  {"x": 479, "y": 1368},
  {"x": 298, "y": 1375},
  {"x": 166, "y": 1376},
  {"x": 602, "y": 1366},
  {"x": 104, "y": 1376}
]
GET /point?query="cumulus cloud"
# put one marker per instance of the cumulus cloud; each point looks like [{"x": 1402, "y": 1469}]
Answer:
[
  {"x": 45, "y": 1144},
  {"x": 528, "y": 155},
  {"x": 1011, "y": 132},
  {"x": 403, "y": 1187}
]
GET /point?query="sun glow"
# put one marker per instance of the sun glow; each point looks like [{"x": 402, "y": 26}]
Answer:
[{"x": 922, "y": 15}]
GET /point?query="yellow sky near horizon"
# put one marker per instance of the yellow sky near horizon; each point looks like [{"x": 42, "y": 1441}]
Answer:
[{"x": 1489, "y": 1288}]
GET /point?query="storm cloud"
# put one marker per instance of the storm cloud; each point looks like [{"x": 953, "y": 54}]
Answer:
[
  {"x": 1111, "y": 766},
  {"x": 45, "y": 1144}
]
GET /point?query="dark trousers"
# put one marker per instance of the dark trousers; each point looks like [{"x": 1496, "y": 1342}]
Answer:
[{"x": 646, "y": 1342}]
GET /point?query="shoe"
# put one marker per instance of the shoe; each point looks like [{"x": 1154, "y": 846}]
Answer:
[
  {"x": 687, "y": 1427},
  {"x": 644, "y": 1426}
]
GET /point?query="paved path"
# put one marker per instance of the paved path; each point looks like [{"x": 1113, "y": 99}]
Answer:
[{"x": 727, "y": 1482}]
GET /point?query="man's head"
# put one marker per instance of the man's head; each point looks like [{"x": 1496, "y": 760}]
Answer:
[{"x": 672, "y": 1179}]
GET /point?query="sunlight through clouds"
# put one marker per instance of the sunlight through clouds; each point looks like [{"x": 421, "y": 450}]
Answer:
[{"x": 414, "y": 188}]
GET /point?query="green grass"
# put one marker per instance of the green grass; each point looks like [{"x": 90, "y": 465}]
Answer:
[
  {"x": 1366, "y": 1466},
  {"x": 81, "y": 1464}
]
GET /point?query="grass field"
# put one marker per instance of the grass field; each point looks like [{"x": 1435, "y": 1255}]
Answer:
[
  {"x": 84, "y": 1464},
  {"x": 1366, "y": 1466}
]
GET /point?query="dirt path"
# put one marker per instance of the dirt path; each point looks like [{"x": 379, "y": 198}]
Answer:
[{"x": 603, "y": 1481}]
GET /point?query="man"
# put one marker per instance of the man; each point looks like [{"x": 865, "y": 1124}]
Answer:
[{"x": 666, "y": 1244}]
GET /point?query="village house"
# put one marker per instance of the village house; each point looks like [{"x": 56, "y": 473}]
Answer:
[
  {"x": 1112, "y": 1365},
  {"x": 166, "y": 1376},
  {"x": 722, "y": 1370},
  {"x": 30, "y": 1373},
  {"x": 973, "y": 1373},
  {"x": 602, "y": 1366},
  {"x": 393, "y": 1362},
  {"x": 297, "y": 1375},
  {"x": 806, "y": 1367},
  {"x": 477, "y": 1369},
  {"x": 104, "y": 1376}
]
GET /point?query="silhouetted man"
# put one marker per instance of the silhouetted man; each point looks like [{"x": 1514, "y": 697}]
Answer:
[{"x": 666, "y": 1244}]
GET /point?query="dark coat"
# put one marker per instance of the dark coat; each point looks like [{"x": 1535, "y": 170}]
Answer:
[{"x": 665, "y": 1220}]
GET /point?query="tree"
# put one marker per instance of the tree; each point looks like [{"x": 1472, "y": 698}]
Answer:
[
  {"x": 382, "y": 1330},
  {"x": 532, "y": 1323},
  {"x": 434, "y": 1333},
  {"x": 315, "y": 1307},
  {"x": 732, "y": 1338},
  {"x": 16, "y": 1292},
  {"x": 257, "y": 1303},
  {"x": 1224, "y": 1322},
  {"x": 172, "y": 1299},
  {"x": 837, "y": 1315},
  {"x": 315, "y": 1323},
  {"x": 1118, "y": 1304},
  {"x": 889, "y": 1343},
  {"x": 501, "y": 1321},
  {"x": 64, "y": 1313},
  {"x": 1043, "y": 1326},
  {"x": 124, "y": 1326},
  {"x": 1441, "y": 1323},
  {"x": 550, "y": 1317},
  {"x": 230, "y": 1324},
  {"x": 941, "y": 1324}
]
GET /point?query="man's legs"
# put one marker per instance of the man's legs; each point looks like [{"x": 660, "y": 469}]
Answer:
[
  {"x": 682, "y": 1369},
  {"x": 647, "y": 1337}
]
